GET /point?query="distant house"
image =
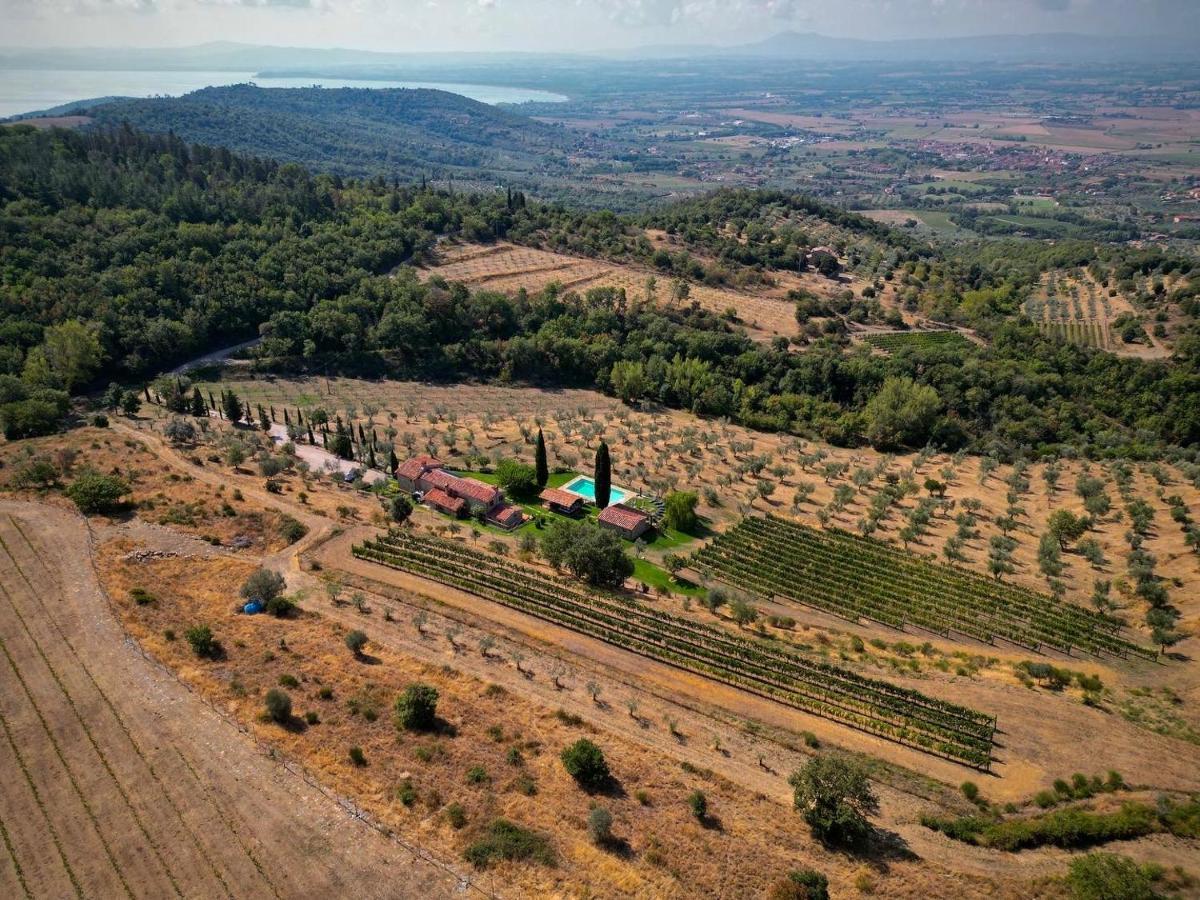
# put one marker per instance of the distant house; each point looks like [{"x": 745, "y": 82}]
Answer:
[
  {"x": 630, "y": 523},
  {"x": 443, "y": 502},
  {"x": 560, "y": 501}
]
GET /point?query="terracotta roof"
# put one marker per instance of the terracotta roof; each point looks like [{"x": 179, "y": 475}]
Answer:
[
  {"x": 624, "y": 517},
  {"x": 413, "y": 468},
  {"x": 507, "y": 515},
  {"x": 472, "y": 489},
  {"x": 560, "y": 497},
  {"x": 440, "y": 478},
  {"x": 442, "y": 500}
]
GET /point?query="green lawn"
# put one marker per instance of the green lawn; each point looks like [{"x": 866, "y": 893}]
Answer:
[{"x": 656, "y": 576}]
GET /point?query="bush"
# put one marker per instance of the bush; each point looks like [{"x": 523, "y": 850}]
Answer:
[
  {"x": 202, "y": 642},
  {"x": 970, "y": 790},
  {"x": 599, "y": 823},
  {"x": 803, "y": 884},
  {"x": 416, "y": 708},
  {"x": 504, "y": 840},
  {"x": 263, "y": 585},
  {"x": 1105, "y": 876},
  {"x": 279, "y": 706},
  {"x": 355, "y": 641},
  {"x": 358, "y": 757},
  {"x": 477, "y": 775},
  {"x": 835, "y": 797},
  {"x": 679, "y": 511},
  {"x": 585, "y": 762},
  {"x": 698, "y": 804},
  {"x": 516, "y": 478},
  {"x": 456, "y": 815},
  {"x": 96, "y": 493},
  {"x": 292, "y": 529}
]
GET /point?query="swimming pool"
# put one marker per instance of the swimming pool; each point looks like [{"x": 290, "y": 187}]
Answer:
[{"x": 586, "y": 488}]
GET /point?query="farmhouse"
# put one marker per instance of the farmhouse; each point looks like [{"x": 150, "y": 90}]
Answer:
[
  {"x": 454, "y": 495},
  {"x": 630, "y": 523},
  {"x": 560, "y": 501}
]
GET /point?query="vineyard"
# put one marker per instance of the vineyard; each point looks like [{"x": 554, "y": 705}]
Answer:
[
  {"x": 894, "y": 341},
  {"x": 1076, "y": 309},
  {"x": 899, "y": 714},
  {"x": 856, "y": 577}
]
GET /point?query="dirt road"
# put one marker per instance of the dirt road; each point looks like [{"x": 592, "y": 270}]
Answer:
[{"x": 120, "y": 782}]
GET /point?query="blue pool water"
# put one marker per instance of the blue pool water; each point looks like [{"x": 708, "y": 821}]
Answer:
[{"x": 586, "y": 488}]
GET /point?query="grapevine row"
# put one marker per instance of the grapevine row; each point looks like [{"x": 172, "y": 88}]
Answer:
[
  {"x": 875, "y": 706},
  {"x": 857, "y": 577}
]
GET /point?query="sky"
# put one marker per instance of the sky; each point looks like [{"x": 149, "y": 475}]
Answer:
[{"x": 569, "y": 25}]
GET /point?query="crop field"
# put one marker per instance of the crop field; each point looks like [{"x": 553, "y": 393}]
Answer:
[
  {"x": 894, "y": 341},
  {"x": 857, "y": 577},
  {"x": 1073, "y": 306},
  {"x": 819, "y": 688},
  {"x": 507, "y": 267}
]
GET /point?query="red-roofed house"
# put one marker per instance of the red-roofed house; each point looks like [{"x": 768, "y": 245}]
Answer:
[
  {"x": 630, "y": 523},
  {"x": 443, "y": 502},
  {"x": 506, "y": 516},
  {"x": 562, "y": 501},
  {"x": 410, "y": 472},
  {"x": 476, "y": 493}
]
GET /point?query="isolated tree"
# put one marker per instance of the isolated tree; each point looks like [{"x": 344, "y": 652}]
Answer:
[
  {"x": 179, "y": 431},
  {"x": 834, "y": 795},
  {"x": 599, "y": 823},
  {"x": 589, "y": 551},
  {"x": 541, "y": 467},
  {"x": 603, "y": 476},
  {"x": 264, "y": 585},
  {"x": 416, "y": 708},
  {"x": 400, "y": 509},
  {"x": 231, "y": 405},
  {"x": 279, "y": 706},
  {"x": 96, "y": 493},
  {"x": 516, "y": 478},
  {"x": 130, "y": 403},
  {"x": 200, "y": 638},
  {"x": 585, "y": 762},
  {"x": 393, "y": 462},
  {"x": 356, "y": 640},
  {"x": 199, "y": 408}
]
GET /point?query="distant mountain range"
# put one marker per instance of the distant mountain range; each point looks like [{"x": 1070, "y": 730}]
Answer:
[{"x": 230, "y": 56}]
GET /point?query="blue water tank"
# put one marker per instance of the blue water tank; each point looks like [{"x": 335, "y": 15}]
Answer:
[{"x": 254, "y": 606}]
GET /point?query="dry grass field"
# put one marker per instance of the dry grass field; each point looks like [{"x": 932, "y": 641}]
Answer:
[
  {"x": 763, "y": 310},
  {"x": 515, "y": 690}
]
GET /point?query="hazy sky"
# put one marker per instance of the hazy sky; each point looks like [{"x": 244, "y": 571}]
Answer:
[{"x": 559, "y": 24}]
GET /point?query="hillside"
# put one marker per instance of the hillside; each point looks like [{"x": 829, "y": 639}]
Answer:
[{"x": 402, "y": 133}]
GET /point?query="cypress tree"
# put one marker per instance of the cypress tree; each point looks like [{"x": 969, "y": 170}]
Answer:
[
  {"x": 212, "y": 404},
  {"x": 311, "y": 439},
  {"x": 543, "y": 470},
  {"x": 603, "y": 476},
  {"x": 232, "y": 406},
  {"x": 287, "y": 420},
  {"x": 393, "y": 463},
  {"x": 199, "y": 410}
]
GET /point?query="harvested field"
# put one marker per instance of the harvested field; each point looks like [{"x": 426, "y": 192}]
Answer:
[{"x": 126, "y": 784}]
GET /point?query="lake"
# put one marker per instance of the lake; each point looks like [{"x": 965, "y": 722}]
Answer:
[{"x": 29, "y": 90}]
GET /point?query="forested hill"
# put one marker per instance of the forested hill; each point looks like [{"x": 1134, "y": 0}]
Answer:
[
  {"x": 399, "y": 132},
  {"x": 123, "y": 253}
]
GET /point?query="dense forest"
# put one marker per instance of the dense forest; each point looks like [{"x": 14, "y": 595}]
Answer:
[{"x": 134, "y": 252}]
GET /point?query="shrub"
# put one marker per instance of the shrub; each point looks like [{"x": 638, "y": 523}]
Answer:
[
  {"x": 264, "y": 585},
  {"x": 292, "y": 529},
  {"x": 835, "y": 797},
  {"x": 279, "y": 706},
  {"x": 516, "y": 478},
  {"x": 970, "y": 790},
  {"x": 357, "y": 756},
  {"x": 698, "y": 804},
  {"x": 312, "y": 718},
  {"x": 585, "y": 762},
  {"x": 416, "y": 708},
  {"x": 803, "y": 884},
  {"x": 679, "y": 511},
  {"x": 456, "y": 815},
  {"x": 96, "y": 493},
  {"x": 202, "y": 642},
  {"x": 355, "y": 641},
  {"x": 504, "y": 840},
  {"x": 477, "y": 775},
  {"x": 1103, "y": 876},
  {"x": 289, "y": 681},
  {"x": 599, "y": 823},
  {"x": 141, "y": 596}
]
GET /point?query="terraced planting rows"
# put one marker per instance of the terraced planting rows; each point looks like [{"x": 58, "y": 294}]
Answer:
[
  {"x": 893, "y": 341},
  {"x": 857, "y": 577},
  {"x": 884, "y": 709}
]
